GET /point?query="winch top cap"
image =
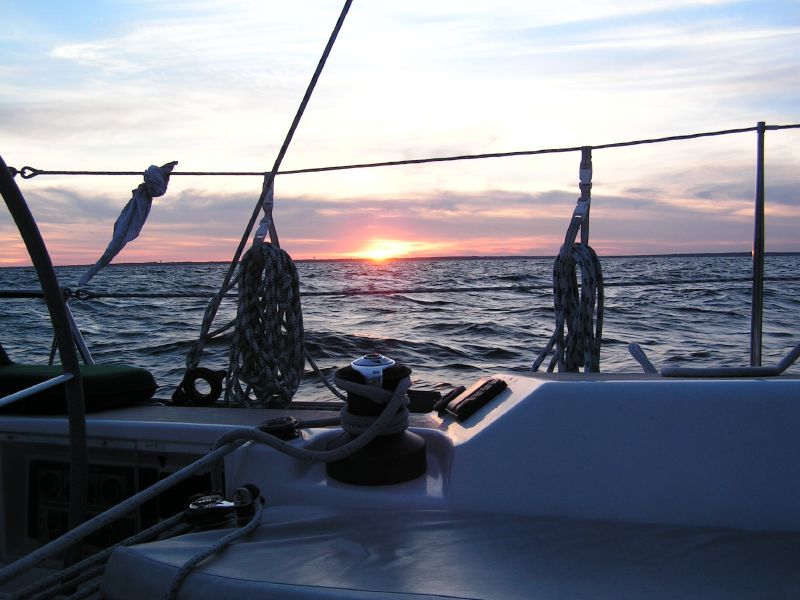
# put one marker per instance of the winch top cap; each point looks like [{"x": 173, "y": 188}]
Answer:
[{"x": 371, "y": 366}]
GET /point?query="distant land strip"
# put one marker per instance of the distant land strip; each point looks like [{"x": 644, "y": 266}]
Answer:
[{"x": 424, "y": 258}]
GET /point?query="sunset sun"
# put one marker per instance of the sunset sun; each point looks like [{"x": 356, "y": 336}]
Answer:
[{"x": 378, "y": 250}]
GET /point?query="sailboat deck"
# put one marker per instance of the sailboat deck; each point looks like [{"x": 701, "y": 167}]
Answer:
[{"x": 315, "y": 552}]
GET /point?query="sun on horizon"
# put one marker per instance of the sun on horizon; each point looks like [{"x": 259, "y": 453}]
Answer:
[{"x": 380, "y": 249}]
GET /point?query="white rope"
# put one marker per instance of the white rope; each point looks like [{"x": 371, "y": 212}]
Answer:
[
  {"x": 214, "y": 548},
  {"x": 360, "y": 424},
  {"x": 639, "y": 355},
  {"x": 580, "y": 311},
  {"x": 392, "y": 419},
  {"x": 321, "y": 375},
  {"x": 67, "y": 575},
  {"x": 582, "y": 314},
  {"x": 393, "y": 416},
  {"x": 395, "y": 402},
  {"x": 96, "y": 523},
  {"x": 267, "y": 350}
]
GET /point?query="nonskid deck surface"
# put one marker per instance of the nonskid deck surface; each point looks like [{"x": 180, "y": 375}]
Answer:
[{"x": 315, "y": 552}]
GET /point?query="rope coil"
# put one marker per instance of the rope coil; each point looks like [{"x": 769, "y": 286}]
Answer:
[
  {"x": 266, "y": 356},
  {"x": 581, "y": 312}
]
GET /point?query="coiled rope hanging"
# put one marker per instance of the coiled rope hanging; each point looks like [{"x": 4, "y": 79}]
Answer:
[
  {"x": 272, "y": 310},
  {"x": 267, "y": 350},
  {"x": 579, "y": 310}
]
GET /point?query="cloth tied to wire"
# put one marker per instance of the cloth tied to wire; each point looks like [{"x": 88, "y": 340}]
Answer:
[
  {"x": 131, "y": 220},
  {"x": 267, "y": 350}
]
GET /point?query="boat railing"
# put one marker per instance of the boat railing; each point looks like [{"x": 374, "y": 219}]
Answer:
[
  {"x": 59, "y": 317},
  {"x": 35, "y": 389}
]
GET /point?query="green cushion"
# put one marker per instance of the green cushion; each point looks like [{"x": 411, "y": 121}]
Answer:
[{"x": 104, "y": 387}]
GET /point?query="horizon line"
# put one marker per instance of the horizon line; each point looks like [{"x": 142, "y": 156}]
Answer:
[{"x": 427, "y": 258}]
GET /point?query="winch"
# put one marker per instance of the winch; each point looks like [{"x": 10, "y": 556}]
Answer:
[{"x": 395, "y": 456}]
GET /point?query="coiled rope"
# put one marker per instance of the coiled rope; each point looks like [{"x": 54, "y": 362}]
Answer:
[
  {"x": 267, "y": 394},
  {"x": 266, "y": 355},
  {"x": 581, "y": 312}
]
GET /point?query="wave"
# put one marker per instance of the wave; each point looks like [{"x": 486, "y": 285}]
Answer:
[{"x": 444, "y": 337}]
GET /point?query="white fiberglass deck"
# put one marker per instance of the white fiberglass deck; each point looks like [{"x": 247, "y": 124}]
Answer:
[
  {"x": 600, "y": 488},
  {"x": 314, "y": 552}
]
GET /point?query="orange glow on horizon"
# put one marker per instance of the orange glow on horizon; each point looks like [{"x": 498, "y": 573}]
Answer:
[{"x": 380, "y": 249}]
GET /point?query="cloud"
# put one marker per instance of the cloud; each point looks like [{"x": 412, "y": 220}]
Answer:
[
  {"x": 215, "y": 85},
  {"x": 190, "y": 226}
]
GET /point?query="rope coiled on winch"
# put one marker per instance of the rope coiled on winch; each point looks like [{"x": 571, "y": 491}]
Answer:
[
  {"x": 581, "y": 312},
  {"x": 266, "y": 356}
]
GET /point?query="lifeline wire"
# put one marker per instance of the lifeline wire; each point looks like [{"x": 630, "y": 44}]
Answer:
[
  {"x": 86, "y": 295},
  {"x": 27, "y": 172}
]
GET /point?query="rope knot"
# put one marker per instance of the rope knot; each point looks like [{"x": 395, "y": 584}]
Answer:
[{"x": 157, "y": 178}]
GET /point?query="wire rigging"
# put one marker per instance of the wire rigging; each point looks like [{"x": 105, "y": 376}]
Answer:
[
  {"x": 87, "y": 295},
  {"x": 27, "y": 172}
]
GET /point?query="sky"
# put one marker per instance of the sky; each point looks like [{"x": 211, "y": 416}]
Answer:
[{"x": 213, "y": 84}]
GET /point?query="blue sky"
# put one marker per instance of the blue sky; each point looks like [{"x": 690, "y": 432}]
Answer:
[{"x": 120, "y": 85}]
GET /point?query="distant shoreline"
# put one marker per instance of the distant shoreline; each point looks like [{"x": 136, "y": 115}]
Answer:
[{"x": 426, "y": 258}]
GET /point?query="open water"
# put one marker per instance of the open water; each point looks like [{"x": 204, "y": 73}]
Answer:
[{"x": 447, "y": 337}]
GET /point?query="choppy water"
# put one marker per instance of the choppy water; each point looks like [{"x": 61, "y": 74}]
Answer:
[{"x": 447, "y": 338}]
